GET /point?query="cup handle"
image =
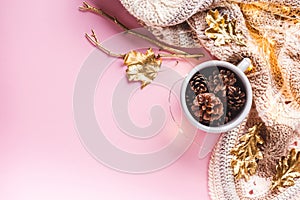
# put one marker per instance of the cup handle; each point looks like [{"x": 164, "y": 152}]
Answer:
[
  {"x": 211, "y": 139},
  {"x": 244, "y": 64}
]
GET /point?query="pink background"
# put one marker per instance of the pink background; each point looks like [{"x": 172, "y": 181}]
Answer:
[{"x": 42, "y": 50}]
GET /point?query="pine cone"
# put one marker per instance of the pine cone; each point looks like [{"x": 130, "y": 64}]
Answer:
[
  {"x": 207, "y": 107},
  {"x": 219, "y": 81},
  {"x": 198, "y": 83},
  {"x": 236, "y": 98}
]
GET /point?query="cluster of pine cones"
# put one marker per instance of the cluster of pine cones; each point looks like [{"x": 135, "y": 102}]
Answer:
[{"x": 216, "y": 98}]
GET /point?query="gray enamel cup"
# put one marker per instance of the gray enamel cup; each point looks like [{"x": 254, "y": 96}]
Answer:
[{"x": 214, "y": 131}]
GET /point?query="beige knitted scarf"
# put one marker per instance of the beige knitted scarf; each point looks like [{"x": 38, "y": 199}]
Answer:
[{"x": 272, "y": 32}]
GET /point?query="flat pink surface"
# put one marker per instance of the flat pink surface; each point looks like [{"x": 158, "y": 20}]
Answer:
[{"x": 42, "y": 51}]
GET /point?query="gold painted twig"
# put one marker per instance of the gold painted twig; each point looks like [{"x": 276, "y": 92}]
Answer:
[
  {"x": 94, "y": 40},
  {"x": 177, "y": 52}
]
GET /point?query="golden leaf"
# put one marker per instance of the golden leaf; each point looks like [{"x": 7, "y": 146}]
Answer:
[
  {"x": 287, "y": 170},
  {"x": 222, "y": 30},
  {"x": 246, "y": 154},
  {"x": 142, "y": 67}
]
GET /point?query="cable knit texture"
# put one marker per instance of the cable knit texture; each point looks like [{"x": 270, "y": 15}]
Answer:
[
  {"x": 164, "y": 13},
  {"x": 182, "y": 35},
  {"x": 271, "y": 29}
]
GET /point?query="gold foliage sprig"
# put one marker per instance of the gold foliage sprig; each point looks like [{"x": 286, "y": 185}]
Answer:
[
  {"x": 287, "y": 170},
  {"x": 142, "y": 67},
  {"x": 222, "y": 30},
  {"x": 246, "y": 154}
]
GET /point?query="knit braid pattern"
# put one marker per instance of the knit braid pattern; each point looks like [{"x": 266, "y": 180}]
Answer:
[
  {"x": 164, "y": 13},
  {"x": 180, "y": 35}
]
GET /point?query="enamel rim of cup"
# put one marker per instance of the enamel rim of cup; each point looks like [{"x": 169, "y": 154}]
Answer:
[{"x": 239, "y": 118}]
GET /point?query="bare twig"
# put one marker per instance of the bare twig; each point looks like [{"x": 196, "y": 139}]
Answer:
[
  {"x": 177, "y": 52},
  {"x": 89, "y": 8},
  {"x": 93, "y": 39}
]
